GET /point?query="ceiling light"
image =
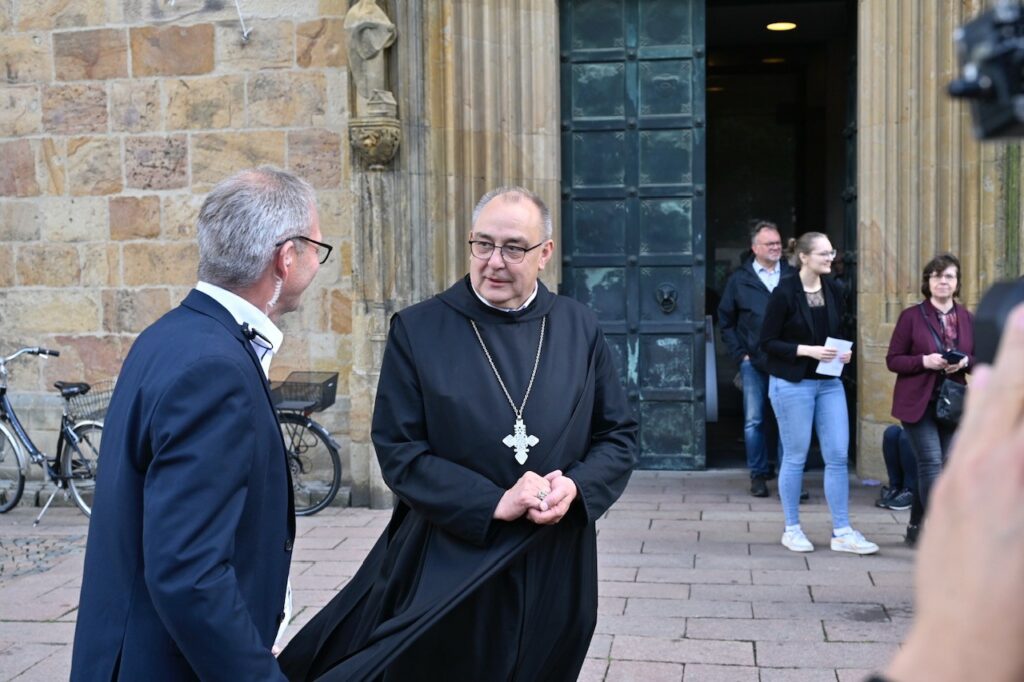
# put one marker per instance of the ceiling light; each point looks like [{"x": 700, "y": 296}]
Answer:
[
  {"x": 716, "y": 88},
  {"x": 781, "y": 26},
  {"x": 773, "y": 60}
]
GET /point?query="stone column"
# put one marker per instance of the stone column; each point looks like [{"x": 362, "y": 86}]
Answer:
[
  {"x": 476, "y": 84},
  {"x": 925, "y": 186},
  {"x": 495, "y": 74}
]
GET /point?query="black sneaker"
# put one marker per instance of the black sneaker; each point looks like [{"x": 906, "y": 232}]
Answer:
[
  {"x": 913, "y": 531},
  {"x": 758, "y": 487},
  {"x": 901, "y": 500},
  {"x": 885, "y": 497},
  {"x": 804, "y": 495}
]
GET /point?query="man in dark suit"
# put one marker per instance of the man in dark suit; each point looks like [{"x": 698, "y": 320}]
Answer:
[
  {"x": 741, "y": 313},
  {"x": 192, "y": 528}
]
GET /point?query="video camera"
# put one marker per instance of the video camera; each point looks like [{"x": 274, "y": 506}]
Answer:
[{"x": 991, "y": 52}]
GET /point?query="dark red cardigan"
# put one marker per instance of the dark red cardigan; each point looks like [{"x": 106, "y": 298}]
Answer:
[{"x": 911, "y": 341}]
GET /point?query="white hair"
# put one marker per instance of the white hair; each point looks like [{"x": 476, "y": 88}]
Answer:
[
  {"x": 514, "y": 194},
  {"x": 244, "y": 217}
]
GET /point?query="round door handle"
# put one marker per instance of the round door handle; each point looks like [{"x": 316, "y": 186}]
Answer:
[{"x": 666, "y": 296}]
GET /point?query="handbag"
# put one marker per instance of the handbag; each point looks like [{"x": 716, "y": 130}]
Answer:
[{"x": 949, "y": 406}]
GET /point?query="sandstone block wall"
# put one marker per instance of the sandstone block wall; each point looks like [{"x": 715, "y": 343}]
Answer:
[{"x": 116, "y": 116}]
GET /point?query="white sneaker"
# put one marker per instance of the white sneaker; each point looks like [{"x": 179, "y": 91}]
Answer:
[
  {"x": 796, "y": 541},
  {"x": 854, "y": 543}
]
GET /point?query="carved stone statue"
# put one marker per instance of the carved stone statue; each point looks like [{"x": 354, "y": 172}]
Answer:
[{"x": 369, "y": 33}]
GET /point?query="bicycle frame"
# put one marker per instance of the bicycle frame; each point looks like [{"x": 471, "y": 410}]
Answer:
[{"x": 36, "y": 456}]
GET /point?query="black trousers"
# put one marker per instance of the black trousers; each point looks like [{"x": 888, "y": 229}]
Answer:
[{"x": 931, "y": 440}]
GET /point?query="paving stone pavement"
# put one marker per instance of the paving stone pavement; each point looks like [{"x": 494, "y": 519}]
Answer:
[{"x": 694, "y": 585}]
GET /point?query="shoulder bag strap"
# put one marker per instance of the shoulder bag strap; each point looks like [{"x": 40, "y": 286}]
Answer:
[{"x": 935, "y": 336}]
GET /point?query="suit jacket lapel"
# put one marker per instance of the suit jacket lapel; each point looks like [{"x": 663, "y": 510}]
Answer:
[
  {"x": 201, "y": 303},
  {"x": 831, "y": 306},
  {"x": 801, "y": 303}
]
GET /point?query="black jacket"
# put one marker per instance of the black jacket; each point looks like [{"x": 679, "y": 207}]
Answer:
[
  {"x": 741, "y": 313},
  {"x": 788, "y": 323}
]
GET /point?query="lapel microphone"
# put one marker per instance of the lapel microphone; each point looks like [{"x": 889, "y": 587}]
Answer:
[{"x": 250, "y": 334}]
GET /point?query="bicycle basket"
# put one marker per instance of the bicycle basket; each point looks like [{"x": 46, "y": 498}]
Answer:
[
  {"x": 92, "y": 405},
  {"x": 312, "y": 391}
]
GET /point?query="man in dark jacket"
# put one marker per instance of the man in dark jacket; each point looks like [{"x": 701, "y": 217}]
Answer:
[
  {"x": 193, "y": 523},
  {"x": 740, "y": 314}
]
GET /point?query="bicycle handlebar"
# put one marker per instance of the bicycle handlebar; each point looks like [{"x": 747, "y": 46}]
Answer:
[{"x": 31, "y": 351}]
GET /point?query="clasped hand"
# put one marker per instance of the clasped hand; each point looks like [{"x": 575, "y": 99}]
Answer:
[{"x": 544, "y": 500}]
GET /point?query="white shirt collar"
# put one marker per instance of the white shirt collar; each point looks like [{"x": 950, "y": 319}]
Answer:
[
  {"x": 246, "y": 313},
  {"x": 760, "y": 268},
  {"x": 487, "y": 303}
]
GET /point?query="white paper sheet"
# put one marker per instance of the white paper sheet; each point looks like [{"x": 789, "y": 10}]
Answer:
[{"x": 834, "y": 368}]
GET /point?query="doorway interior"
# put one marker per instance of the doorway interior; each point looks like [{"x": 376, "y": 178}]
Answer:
[{"x": 781, "y": 146}]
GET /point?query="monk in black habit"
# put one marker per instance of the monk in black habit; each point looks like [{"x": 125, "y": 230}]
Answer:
[{"x": 501, "y": 425}]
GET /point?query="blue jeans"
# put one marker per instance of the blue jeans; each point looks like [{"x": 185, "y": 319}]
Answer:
[
  {"x": 820, "y": 403},
  {"x": 760, "y": 432}
]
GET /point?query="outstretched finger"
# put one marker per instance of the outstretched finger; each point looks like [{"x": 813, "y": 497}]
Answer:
[{"x": 995, "y": 400}]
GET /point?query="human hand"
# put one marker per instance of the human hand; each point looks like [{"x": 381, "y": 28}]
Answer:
[
  {"x": 523, "y": 496},
  {"x": 556, "y": 504},
  {"x": 934, "y": 361},
  {"x": 953, "y": 369},
  {"x": 846, "y": 357},
  {"x": 968, "y": 622},
  {"x": 820, "y": 353}
]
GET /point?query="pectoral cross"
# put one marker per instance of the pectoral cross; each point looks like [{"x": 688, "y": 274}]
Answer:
[{"x": 520, "y": 441}]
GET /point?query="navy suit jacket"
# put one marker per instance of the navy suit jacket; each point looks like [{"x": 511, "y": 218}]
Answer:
[{"x": 191, "y": 533}]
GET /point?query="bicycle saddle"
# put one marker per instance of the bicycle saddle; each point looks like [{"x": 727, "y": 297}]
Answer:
[{"x": 70, "y": 389}]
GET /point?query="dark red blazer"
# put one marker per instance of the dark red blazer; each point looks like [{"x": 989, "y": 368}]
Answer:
[{"x": 911, "y": 341}]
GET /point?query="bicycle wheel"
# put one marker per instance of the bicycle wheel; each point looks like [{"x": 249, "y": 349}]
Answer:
[
  {"x": 314, "y": 463},
  {"x": 80, "y": 462},
  {"x": 12, "y": 471}
]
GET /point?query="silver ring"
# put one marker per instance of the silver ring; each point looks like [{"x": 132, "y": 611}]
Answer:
[{"x": 541, "y": 495}]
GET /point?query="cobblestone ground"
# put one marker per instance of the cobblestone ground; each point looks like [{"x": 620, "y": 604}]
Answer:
[{"x": 694, "y": 585}]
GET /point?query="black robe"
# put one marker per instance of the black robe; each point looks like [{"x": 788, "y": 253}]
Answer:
[{"x": 447, "y": 592}]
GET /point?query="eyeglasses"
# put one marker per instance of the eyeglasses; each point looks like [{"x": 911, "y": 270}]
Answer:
[
  {"x": 323, "y": 251},
  {"x": 943, "y": 276},
  {"x": 826, "y": 254},
  {"x": 769, "y": 245},
  {"x": 510, "y": 253}
]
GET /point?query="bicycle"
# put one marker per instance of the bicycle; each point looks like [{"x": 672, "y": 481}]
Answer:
[
  {"x": 312, "y": 452},
  {"x": 73, "y": 468}
]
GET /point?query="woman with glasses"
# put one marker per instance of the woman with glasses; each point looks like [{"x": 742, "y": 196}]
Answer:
[
  {"x": 803, "y": 312},
  {"x": 933, "y": 342}
]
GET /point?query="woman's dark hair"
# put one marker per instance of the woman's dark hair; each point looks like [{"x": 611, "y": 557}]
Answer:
[
  {"x": 805, "y": 244},
  {"x": 935, "y": 267}
]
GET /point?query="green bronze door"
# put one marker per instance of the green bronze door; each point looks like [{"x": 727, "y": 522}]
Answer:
[{"x": 632, "y": 88}]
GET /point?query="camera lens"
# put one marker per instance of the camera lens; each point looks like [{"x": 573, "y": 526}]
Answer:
[{"x": 990, "y": 320}]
